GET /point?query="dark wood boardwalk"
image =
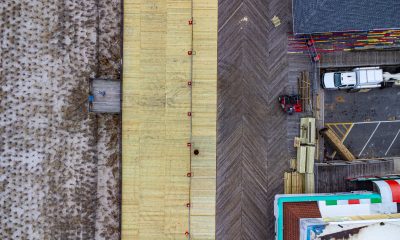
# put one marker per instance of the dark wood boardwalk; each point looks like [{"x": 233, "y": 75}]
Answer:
[
  {"x": 255, "y": 138},
  {"x": 360, "y": 58},
  {"x": 252, "y": 147}
]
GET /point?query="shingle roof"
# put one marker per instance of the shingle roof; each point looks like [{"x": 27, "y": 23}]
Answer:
[
  {"x": 318, "y": 16},
  {"x": 293, "y": 212}
]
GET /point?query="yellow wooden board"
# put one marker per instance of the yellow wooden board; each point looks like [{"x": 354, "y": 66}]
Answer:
[{"x": 155, "y": 123}]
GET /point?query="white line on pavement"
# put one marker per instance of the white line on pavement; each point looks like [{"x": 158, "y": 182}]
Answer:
[
  {"x": 369, "y": 139},
  {"x": 394, "y": 139},
  {"x": 394, "y": 121}
]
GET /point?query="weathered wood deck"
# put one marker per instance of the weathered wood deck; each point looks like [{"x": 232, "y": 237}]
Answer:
[
  {"x": 252, "y": 148},
  {"x": 255, "y": 139},
  {"x": 331, "y": 177},
  {"x": 360, "y": 58},
  {"x": 106, "y": 96}
]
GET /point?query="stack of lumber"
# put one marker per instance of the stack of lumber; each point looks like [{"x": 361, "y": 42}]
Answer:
[
  {"x": 301, "y": 177},
  {"x": 294, "y": 182}
]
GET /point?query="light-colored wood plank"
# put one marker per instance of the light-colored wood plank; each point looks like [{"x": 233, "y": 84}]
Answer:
[
  {"x": 204, "y": 99},
  {"x": 155, "y": 124}
]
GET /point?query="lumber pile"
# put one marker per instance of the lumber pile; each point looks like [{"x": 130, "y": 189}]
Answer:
[
  {"x": 294, "y": 182},
  {"x": 301, "y": 178}
]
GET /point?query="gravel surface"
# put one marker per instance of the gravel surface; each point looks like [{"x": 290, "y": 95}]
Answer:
[{"x": 59, "y": 165}]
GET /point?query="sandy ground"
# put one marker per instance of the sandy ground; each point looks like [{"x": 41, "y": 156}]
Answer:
[{"x": 59, "y": 165}]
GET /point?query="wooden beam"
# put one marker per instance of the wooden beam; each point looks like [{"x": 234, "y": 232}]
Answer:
[{"x": 337, "y": 144}]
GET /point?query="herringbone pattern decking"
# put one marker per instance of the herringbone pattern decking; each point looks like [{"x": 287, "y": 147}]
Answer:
[{"x": 252, "y": 148}]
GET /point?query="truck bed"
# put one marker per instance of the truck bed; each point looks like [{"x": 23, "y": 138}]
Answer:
[{"x": 369, "y": 76}]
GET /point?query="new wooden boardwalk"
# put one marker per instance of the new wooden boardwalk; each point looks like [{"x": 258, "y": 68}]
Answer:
[
  {"x": 156, "y": 123},
  {"x": 242, "y": 137}
]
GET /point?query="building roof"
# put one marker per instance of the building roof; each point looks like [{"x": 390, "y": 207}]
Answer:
[
  {"x": 293, "y": 212},
  {"x": 320, "y": 16}
]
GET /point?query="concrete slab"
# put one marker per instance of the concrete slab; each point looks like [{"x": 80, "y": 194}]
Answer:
[
  {"x": 394, "y": 148},
  {"x": 381, "y": 140},
  {"x": 358, "y": 137},
  {"x": 368, "y": 140},
  {"x": 375, "y": 105}
]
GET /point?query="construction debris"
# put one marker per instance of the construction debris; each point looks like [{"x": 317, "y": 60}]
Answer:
[
  {"x": 337, "y": 144},
  {"x": 304, "y": 85},
  {"x": 276, "y": 21}
]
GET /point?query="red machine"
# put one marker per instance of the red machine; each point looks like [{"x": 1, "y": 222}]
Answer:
[
  {"x": 290, "y": 103},
  {"x": 312, "y": 50}
]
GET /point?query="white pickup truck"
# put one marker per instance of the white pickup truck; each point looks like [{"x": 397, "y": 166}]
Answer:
[{"x": 360, "y": 78}]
